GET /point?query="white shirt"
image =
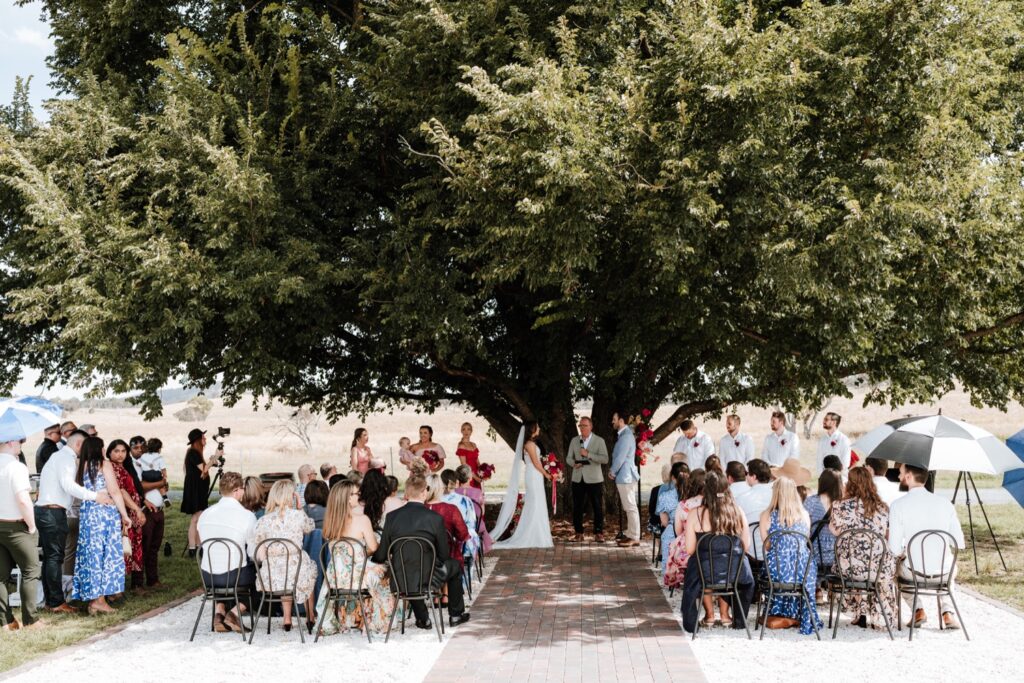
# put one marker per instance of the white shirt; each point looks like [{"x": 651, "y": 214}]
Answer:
[
  {"x": 778, "y": 448},
  {"x": 888, "y": 491},
  {"x": 227, "y": 519},
  {"x": 920, "y": 510},
  {"x": 585, "y": 443},
  {"x": 841, "y": 448},
  {"x": 147, "y": 462},
  {"x": 738, "y": 488},
  {"x": 755, "y": 501},
  {"x": 57, "y": 485},
  {"x": 13, "y": 480},
  {"x": 697, "y": 449},
  {"x": 729, "y": 451}
]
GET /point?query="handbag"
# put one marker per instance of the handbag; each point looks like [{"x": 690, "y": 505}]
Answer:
[{"x": 126, "y": 545}]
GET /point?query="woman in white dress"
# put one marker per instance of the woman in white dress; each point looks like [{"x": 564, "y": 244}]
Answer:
[{"x": 533, "y": 529}]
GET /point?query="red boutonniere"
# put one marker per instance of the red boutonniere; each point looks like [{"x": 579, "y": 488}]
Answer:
[
  {"x": 833, "y": 443},
  {"x": 696, "y": 444},
  {"x": 737, "y": 443},
  {"x": 782, "y": 443}
]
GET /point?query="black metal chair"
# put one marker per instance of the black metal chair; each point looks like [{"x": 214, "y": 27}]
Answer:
[
  {"x": 849, "y": 544},
  {"x": 928, "y": 577},
  {"x": 277, "y": 588},
  {"x": 334, "y": 557},
  {"x": 233, "y": 555},
  {"x": 756, "y": 559},
  {"x": 778, "y": 588},
  {"x": 826, "y": 577},
  {"x": 415, "y": 558},
  {"x": 724, "y": 589}
]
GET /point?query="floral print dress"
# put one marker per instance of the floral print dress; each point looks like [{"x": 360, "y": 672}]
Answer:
[
  {"x": 99, "y": 561},
  {"x": 786, "y": 558},
  {"x": 127, "y": 484},
  {"x": 278, "y": 570},
  {"x": 853, "y": 558},
  {"x": 376, "y": 609},
  {"x": 675, "y": 565}
]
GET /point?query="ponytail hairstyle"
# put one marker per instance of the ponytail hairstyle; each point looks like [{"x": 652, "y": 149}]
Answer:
[
  {"x": 680, "y": 477},
  {"x": 723, "y": 514}
]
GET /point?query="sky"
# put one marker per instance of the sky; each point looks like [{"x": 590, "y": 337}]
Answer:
[{"x": 24, "y": 46}]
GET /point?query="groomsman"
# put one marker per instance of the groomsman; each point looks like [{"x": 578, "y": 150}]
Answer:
[
  {"x": 625, "y": 474},
  {"x": 780, "y": 443},
  {"x": 694, "y": 444},
  {"x": 833, "y": 442},
  {"x": 587, "y": 452},
  {"x": 735, "y": 446}
]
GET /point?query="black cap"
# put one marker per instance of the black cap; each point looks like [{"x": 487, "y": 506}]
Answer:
[{"x": 195, "y": 435}]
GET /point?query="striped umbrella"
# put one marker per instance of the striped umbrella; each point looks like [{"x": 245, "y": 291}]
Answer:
[
  {"x": 935, "y": 442},
  {"x": 20, "y": 417}
]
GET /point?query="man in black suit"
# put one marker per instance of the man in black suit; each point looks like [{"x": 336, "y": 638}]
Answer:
[{"x": 415, "y": 519}]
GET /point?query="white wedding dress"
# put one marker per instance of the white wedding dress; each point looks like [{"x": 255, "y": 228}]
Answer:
[{"x": 533, "y": 529}]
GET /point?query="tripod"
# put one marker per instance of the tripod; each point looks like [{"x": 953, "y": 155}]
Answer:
[{"x": 966, "y": 478}]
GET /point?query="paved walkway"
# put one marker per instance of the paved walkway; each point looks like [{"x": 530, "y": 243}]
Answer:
[{"x": 578, "y": 612}]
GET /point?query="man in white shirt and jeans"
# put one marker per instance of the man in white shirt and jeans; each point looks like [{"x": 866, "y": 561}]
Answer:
[
  {"x": 18, "y": 537},
  {"x": 228, "y": 519},
  {"x": 58, "y": 491},
  {"x": 921, "y": 510}
]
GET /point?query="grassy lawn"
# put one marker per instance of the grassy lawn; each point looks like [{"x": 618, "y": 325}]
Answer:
[
  {"x": 177, "y": 573},
  {"x": 1008, "y": 524},
  {"x": 947, "y": 480}
]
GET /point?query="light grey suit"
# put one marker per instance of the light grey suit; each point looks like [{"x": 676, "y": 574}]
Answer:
[{"x": 591, "y": 470}]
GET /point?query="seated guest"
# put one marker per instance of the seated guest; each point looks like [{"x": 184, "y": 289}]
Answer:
[
  {"x": 450, "y": 481},
  {"x": 787, "y": 557},
  {"x": 306, "y": 475},
  {"x": 229, "y": 519},
  {"x": 327, "y": 470},
  {"x": 393, "y": 501},
  {"x": 255, "y": 496},
  {"x": 756, "y": 500},
  {"x": 921, "y": 510},
  {"x": 477, "y": 496},
  {"x": 280, "y": 566},
  {"x": 373, "y": 491},
  {"x": 830, "y": 490},
  {"x": 336, "y": 479},
  {"x": 736, "y": 473},
  {"x": 713, "y": 464},
  {"x": 832, "y": 462},
  {"x": 718, "y": 514},
  {"x": 862, "y": 508},
  {"x": 669, "y": 496},
  {"x": 458, "y": 534},
  {"x": 888, "y": 491},
  {"x": 315, "y": 497},
  {"x": 355, "y": 476},
  {"x": 678, "y": 558},
  {"x": 344, "y": 521},
  {"x": 415, "y": 519},
  {"x": 17, "y": 532},
  {"x": 654, "y": 522}
]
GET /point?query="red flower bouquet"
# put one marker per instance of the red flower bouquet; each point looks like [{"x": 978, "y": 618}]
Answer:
[
  {"x": 433, "y": 459},
  {"x": 484, "y": 471},
  {"x": 552, "y": 464},
  {"x": 644, "y": 437}
]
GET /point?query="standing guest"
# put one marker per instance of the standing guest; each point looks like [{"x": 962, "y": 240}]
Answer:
[
  {"x": 788, "y": 557},
  {"x": 50, "y": 445},
  {"x": 373, "y": 491},
  {"x": 694, "y": 444},
  {"x": 405, "y": 454},
  {"x": 315, "y": 497},
  {"x": 477, "y": 496},
  {"x": 426, "y": 443},
  {"x": 736, "y": 473},
  {"x": 135, "y": 447},
  {"x": 65, "y": 431},
  {"x": 921, "y": 510},
  {"x": 306, "y": 475},
  {"x": 196, "y": 494},
  {"x": 780, "y": 444},
  {"x": 90, "y": 429},
  {"x": 451, "y": 481},
  {"x": 254, "y": 496},
  {"x": 280, "y": 567},
  {"x": 624, "y": 473},
  {"x": 735, "y": 446},
  {"x": 361, "y": 457},
  {"x": 587, "y": 453},
  {"x": 153, "y": 472},
  {"x": 468, "y": 454},
  {"x": 392, "y": 502},
  {"x": 344, "y": 521},
  {"x": 819, "y": 509},
  {"x": 862, "y": 508},
  {"x": 669, "y": 497},
  {"x": 18, "y": 536},
  {"x": 117, "y": 453},
  {"x": 833, "y": 442},
  {"x": 99, "y": 563},
  {"x": 888, "y": 491},
  {"x": 221, "y": 568},
  {"x": 327, "y": 470},
  {"x": 57, "y": 492},
  {"x": 458, "y": 534}
]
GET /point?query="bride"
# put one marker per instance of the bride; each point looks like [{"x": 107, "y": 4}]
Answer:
[{"x": 533, "y": 529}]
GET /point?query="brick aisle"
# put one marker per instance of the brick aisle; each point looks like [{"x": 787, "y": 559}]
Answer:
[{"x": 577, "y": 612}]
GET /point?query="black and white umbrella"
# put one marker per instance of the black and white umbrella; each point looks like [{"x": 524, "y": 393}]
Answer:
[{"x": 936, "y": 442}]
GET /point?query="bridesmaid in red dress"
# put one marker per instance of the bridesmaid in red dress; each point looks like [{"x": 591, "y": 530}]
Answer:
[{"x": 469, "y": 454}]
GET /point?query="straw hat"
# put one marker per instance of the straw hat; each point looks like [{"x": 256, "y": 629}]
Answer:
[{"x": 792, "y": 469}]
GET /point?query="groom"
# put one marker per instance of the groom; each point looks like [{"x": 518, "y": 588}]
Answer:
[
  {"x": 587, "y": 452},
  {"x": 625, "y": 475}
]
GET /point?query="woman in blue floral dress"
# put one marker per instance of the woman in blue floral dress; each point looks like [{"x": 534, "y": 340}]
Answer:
[
  {"x": 99, "y": 561},
  {"x": 788, "y": 556},
  {"x": 669, "y": 496}
]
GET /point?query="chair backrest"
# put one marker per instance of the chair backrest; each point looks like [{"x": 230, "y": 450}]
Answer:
[
  {"x": 653, "y": 518},
  {"x": 411, "y": 562},
  {"x": 711, "y": 546},
  {"x": 818, "y": 529},
  {"x": 756, "y": 549},
  {"x": 343, "y": 570},
  {"x": 774, "y": 562},
  {"x": 932, "y": 554},
  {"x": 280, "y": 577},
  {"x": 219, "y": 553},
  {"x": 864, "y": 545}
]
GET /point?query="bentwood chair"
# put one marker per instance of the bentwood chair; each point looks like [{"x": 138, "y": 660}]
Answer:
[
  {"x": 411, "y": 567},
  {"x": 335, "y": 558},
  {"x": 777, "y": 586},
  {"x": 852, "y": 544},
  {"x": 728, "y": 587},
  {"x": 931, "y": 562},
  {"x": 280, "y": 585},
  {"x": 232, "y": 555}
]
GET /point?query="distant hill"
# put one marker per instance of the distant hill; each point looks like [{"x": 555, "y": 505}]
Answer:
[{"x": 167, "y": 397}]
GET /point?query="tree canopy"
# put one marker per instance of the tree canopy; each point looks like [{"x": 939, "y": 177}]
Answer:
[{"x": 519, "y": 205}]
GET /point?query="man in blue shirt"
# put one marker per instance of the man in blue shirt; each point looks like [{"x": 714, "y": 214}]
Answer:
[{"x": 624, "y": 473}]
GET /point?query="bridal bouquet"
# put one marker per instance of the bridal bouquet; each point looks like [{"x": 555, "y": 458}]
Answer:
[
  {"x": 484, "y": 471},
  {"x": 644, "y": 437},
  {"x": 553, "y": 465},
  {"x": 433, "y": 459}
]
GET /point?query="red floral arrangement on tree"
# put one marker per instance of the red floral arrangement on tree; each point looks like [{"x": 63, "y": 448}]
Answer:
[
  {"x": 644, "y": 437},
  {"x": 433, "y": 459},
  {"x": 484, "y": 471}
]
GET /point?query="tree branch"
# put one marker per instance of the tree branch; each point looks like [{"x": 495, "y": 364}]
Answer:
[
  {"x": 1015, "y": 319},
  {"x": 688, "y": 410}
]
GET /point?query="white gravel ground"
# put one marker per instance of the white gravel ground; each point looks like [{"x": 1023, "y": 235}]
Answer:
[
  {"x": 865, "y": 655},
  {"x": 162, "y": 644}
]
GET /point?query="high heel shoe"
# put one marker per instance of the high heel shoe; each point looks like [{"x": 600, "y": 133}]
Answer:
[
  {"x": 310, "y": 625},
  {"x": 287, "y": 628}
]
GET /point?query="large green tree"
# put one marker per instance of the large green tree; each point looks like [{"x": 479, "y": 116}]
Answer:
[{"x": 519, "y": 205}]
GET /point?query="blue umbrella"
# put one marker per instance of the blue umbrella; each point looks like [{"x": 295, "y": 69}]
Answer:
[
  {"x": 1013, "y": 481},
  {"x": 20, "y": 417}
]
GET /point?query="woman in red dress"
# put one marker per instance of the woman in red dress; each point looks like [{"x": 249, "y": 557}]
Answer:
[
  {"x": 458, "y": 534},
  {"x": 469, "y": 455},
  {"x": 117, "y": 451}
]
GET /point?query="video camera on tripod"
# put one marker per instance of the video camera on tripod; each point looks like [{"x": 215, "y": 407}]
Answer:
[{"x": 219, "y": 461}]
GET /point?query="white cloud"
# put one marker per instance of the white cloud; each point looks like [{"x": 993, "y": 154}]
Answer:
[{"x": 33, "y": 37}]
